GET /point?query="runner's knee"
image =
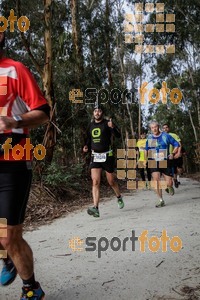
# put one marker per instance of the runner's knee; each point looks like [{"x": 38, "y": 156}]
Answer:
[
  {"x": 95, "y": 182},
  {"x": 13, "y": 237},
  {"x": 156, "y": 177},
  {"x": 8, "y": 242}
]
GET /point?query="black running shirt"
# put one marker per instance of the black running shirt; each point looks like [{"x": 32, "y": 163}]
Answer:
[{"x": 99, "y": 136}]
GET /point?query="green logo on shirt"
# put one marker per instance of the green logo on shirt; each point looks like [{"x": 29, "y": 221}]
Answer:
[{"x": 96, "y": 132}]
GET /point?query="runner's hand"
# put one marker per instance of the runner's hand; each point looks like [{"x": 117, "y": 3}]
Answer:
[
  {"x": 7, "y": 123},
  {"x": 177, "y": 155},
  {"x": 110, "y": 123},
  {"x": 85, "y": 148},
  {"x": 171, "y": 156}
]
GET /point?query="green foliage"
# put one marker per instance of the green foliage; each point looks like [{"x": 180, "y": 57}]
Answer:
[{"x": 63, "y": 176}]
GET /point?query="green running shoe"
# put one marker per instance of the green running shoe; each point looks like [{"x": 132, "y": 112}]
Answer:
[
  {"x": 148, "y": 185},
  {"x": 171, "y": 191},
  {"x": 120, "y": 202},
  {"x": 160, "y": 203},
  {"x": 93, "y": 211}
]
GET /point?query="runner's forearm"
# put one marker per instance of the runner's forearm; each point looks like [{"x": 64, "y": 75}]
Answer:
[
  {"x": 175, "y": 150},
  {"x": 32, "y": 119}
]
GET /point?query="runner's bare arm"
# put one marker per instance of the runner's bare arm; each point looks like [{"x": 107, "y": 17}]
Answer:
[
  {"x": 30, "y": 119},
  {"x": 178, "y": 153},
  {"x": 172, "y": 155}
]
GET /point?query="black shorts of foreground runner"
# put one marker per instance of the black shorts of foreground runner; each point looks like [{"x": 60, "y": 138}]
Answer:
[
  {"x": 14, "y": 192},
  {"x": 108, "y": 165}
]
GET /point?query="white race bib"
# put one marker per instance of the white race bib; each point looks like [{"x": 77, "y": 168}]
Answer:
[{"x": 99, "y": 157}]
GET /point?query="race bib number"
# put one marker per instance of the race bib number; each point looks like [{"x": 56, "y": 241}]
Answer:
[{"x": 99, "y": 157}]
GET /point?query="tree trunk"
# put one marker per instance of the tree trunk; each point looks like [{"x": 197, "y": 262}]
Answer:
[
  {"x": 107, "y": 43},
  {"x": 47, "y": 79},
  {"x": 139, "y": 112},
  {"x": 45, "y": 73},
  {"x": 190, "y": 115},
  {"x": 198, "y": 110},
  {"x": 125, "y": 98},
  {"x": 122, "y": 138},
  {"x": 77, "y": 41},
  {"x": 196, "y": 94},
  {"x": 74, "y": 144},
  {"x": 122, "y": 67}
]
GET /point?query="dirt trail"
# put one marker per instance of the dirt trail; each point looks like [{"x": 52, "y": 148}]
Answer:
[{"x": 81, "y": 275}]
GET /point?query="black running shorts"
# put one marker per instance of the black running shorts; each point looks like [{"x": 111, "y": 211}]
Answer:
[
  {"x": 166, "y": 171},
  {"x": 14, "y": 193},
  {"x": 178, "y": 162},
  {"x": 108, "y": 165}
]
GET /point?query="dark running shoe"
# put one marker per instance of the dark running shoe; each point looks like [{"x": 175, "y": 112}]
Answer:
[
  {"x": 32, "y": 294},
  {"x": 93, "y": 211},
  {"x": 167, "y": 190},
  {"x": 176, "y": 184}
]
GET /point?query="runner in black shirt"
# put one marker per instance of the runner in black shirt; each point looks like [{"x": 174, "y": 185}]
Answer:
[{"x": 98, "y": 142}]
